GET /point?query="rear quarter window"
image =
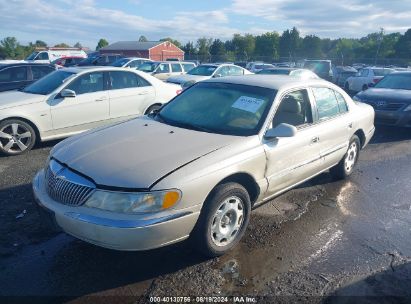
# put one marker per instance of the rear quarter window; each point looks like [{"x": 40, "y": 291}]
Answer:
[{"x": 327, "y": 104}]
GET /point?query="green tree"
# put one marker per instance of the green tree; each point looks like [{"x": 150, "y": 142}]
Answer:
[
  {"x": 311, "y": 47},
  {"x": 217, "y": 50},
  {"x": 203, "y": 47},
  {"x": 101, "y": 43},
  {"x": 142, "y": 39},
  {"x": 290, "y": 42},
  {"x": 10, "y": 47},
  {"x": 266, "y": 46},
  {"x": 78, "y": 45},
  {"x": 40, "y": 43},
  {"x": 189, "y": 50},
  {"x": 244, "y": 46},
  {"x": 403, "y": 46},
  {"x": 62, "y": 45}
]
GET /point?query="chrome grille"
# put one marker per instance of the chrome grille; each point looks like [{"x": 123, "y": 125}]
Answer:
[
  {"x": 385, "y": 106},
  {"x": 66, "y": 187}
]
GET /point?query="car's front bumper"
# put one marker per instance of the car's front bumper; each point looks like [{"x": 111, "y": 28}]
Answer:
[
  {"x": 393, "y": 118},
  {"x": 113, "y": 230}
]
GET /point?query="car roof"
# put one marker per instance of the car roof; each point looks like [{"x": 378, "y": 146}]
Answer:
[
  {"x": 80, "y": 69},
  {"x": 4, "y": 65},
  {"x": 285, "y": 69},
  {"x": 276, "y": 82}
]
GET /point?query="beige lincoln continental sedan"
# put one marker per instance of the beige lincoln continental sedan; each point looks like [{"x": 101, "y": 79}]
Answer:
[{"x": 197, "y": 167}]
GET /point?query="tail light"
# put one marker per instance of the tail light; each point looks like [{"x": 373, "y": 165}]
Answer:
[
  {"x": 179, "y": 91},
  {"x": 375, "y": 80}
]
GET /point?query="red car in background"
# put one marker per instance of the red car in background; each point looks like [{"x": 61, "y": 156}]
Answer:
[{"x": 67, "y": 61}]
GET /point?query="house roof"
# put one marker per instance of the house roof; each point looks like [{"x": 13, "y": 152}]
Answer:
[{"x": 132, "y": 45}]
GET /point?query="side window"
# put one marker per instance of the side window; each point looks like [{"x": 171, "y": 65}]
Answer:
[
  {"x": 111, "y": 59},
  {"x": 294, "y": 109},
  {"x": 342, "y": 103},
  {"x": 13, "y": 74},
  {"x": 163, "y": 68},
  {"x": 133, "y": 64},
  {"x": 88, "y": 83},
  {"x": 327, "y": 104},
  {"x": 223, "y": 71},
  {"x": 236, "y": 71},
  {"x": 176, "y": 67},
  {"x": 187, "y": 67},
  {"x": 43, "y": 56},
  {"x": 124, "y": 80},
  {"x": 364, "y": 73},
  {"x": 40, "y": 71},
  {"x": 101, "y": 60}
]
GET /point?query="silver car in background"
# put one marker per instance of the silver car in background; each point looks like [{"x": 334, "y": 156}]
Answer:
[{"x": 198, "y": 166}]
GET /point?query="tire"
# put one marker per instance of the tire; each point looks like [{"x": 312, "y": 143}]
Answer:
[
  {"x": 365, "y": 87},
  {"x": 152, "y": 108},
  {"x": 223, "y": 220},
  {"x": 346, "y": 166},
  {"x": 16, "y": 137}
]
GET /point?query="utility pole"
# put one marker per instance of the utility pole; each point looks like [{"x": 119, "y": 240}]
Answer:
[{"x": 379, "y": 39}]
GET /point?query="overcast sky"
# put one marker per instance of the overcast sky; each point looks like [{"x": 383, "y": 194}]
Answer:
[{"x": 87, "y": 21}]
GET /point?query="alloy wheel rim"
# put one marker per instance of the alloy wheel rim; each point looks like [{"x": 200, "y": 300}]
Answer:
[
  {"x": 351, "y": 157},
  {"x": 227, "y": 221},
  {"x": 14, "y": 138}
]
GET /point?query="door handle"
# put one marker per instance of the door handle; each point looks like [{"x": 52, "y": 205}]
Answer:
[
  {"x": 350, "y": 125},
  {"x": 143, "y": 93},
  {"x": 315, "y": 139},
  {"x": 100, "y": 99}
]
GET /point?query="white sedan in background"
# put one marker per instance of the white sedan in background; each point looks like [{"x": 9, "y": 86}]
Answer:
[
  {"x": 365, "y": 78},
  {"x": 73, "y": 100}
]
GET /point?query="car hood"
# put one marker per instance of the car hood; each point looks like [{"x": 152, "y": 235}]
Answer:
[
  {"x": 184, "y": 78},
  {"x": 377, "y": 94},
  {"x": 137, "y": 153},
  {"x": 10, "y": 99}
]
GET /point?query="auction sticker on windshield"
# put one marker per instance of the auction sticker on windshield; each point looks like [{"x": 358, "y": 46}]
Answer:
[{"x": 248, "y": 104}]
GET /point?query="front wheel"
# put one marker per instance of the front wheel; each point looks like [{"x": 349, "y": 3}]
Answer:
[
  {"x": 346, "y": 166},
  {"x": 223, "y": 220},
  {"x": 16, "y": 137}
]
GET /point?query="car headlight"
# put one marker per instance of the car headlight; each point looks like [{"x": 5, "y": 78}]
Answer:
[
  {"x": 134, "y": 202},
  {"x": 408, "y": 108}
]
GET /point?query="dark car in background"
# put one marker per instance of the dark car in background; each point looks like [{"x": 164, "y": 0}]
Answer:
[
  {"x": 295, "y": 72},
  {"x": 342, "y": 73},
  {"x": 391, "y": 99},
  {"x": 323, "y": 68},
  {"x": 15, "y": 76},
  {"x": 67, "y": 61},
  {"x": 101, "y": 60}
]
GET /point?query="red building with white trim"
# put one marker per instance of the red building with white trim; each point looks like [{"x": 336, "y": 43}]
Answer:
[{"x": 154, "y": 50}]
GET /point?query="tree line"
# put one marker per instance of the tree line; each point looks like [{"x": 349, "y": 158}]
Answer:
[{"x": 270, "y": 47}]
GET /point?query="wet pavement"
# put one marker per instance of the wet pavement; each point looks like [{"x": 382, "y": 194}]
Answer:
[{"x": 325, "y": 241}]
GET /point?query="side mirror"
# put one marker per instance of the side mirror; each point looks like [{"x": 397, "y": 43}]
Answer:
[
  {"x": 217, "y": 76},
  {"x": 68, "y": 93},
  {"x": 282, "y": 130}
]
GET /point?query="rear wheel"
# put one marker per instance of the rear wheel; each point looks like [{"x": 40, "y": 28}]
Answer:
[
  {"x": 223, "y": 220},
  {"x": 16, "y": 137},
  {"x": 364, "y": 87},
  {"x": 152, "y": 109},
  {"x": 346, "y": 166}
]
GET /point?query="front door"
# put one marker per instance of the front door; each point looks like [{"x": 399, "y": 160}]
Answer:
[
  {"x": 88, "y": 109},
  {"x": 293, "y": 159}
]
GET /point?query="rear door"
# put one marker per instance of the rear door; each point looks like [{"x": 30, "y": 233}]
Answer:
[
  {"x": 13, "y": 78},
  {"x": 130, "y": 95},
  {"x": 335, "y": 125},
  {"x": 176, "y": 69},
  {"x": 89, "y": 109},
  {"x": 163, "y": 71},
  {"x": 294, "y": 159}
]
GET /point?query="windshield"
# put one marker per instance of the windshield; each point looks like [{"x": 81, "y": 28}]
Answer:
[
  {"x": 274, "y": 72},
  {"x": 48, "y": 83},
  {"x": 148, "y": 67},
  {"x": 219, "y": 108},
  {"x": 120, "y": 62},
  {"x": 32, "y": 56},
  {"x": 203, "y": 70},
  {"x": 395, "y": 81}
]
